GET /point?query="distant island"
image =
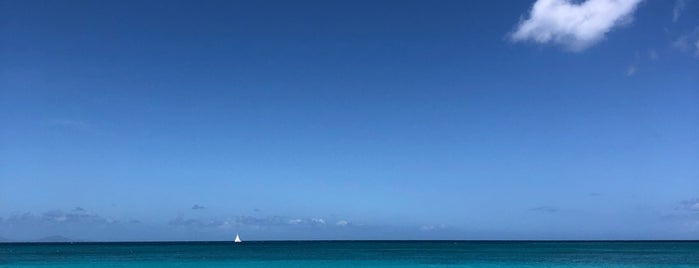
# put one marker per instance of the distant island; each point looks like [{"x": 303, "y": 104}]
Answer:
[
  {"x": 47, "y": 239},
  {"x": 55, "y": 239}
]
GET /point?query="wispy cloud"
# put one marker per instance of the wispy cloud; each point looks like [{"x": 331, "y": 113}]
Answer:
[
  {"x": 575, "y": 26},
  {"x": 688, "y": 42},
  {"x": 248, "y": 221},
  {"x": 295, "y": 221},
  {"x": 632, "y": 69},
  {"x": 685, "y": 215},
  {"x": 545, "y": 209},
  {"x": 677, "y": 10},
  {"x": 69, "y": 123},
  {"x": 197, "y": 223},
  {"x": 259, "y": 221},
  {"x": 653, "y": 54},
  {"x": 77, "y": 215},
  {"x": 198, "y": 207},
  {"x": 428, "y": 228},
  {"x": 690, "y": 205}
]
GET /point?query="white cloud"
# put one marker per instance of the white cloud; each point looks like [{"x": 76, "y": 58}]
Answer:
[
  {"x": 433, "y": 227},
  {"x": 677, "y": 10},
  {"x": 576, "y": 26},
  {"x": 653, "y": 54},
  {"x": 633, "y": 67},
  {"x": 69, "y": 123},
  {"x": 689, "y": 42},
  {"x": 342, "y": 223},
  {"x": 312, "y": 221},
  {"x": 246, "y": 221}
]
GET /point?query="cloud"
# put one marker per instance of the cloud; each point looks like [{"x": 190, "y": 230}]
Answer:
[
  {"x": 311, "y": 221},
  {"x": 653, "y": 54},
  {"x": 77, "y": 215},
  {"x": 295, "y": 221},
  {"x": 342, "y": 223},
  {"x": 260, "y": 221},
  {"x": 575, "y": 26},
  {"x": 427, "y": 228},
  {"x": 633, "y": 67},
  {"x": 197, "y": 223},
  {"x": 198, "y": 207},
  {"x": 690, "y": 205},
  {"x": 686, "y": 215},
  {"x": 677, "y": 10},
  {"x": 688, "y": 42},
  {"x": 69, "y": 123},
  {"x": 545, "y": 209},
  {"x": 249, "y": 221}
]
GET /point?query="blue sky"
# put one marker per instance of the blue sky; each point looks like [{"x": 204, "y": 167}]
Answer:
[{"x": 188, "y": 120}]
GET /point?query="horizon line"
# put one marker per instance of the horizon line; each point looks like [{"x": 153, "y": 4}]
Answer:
[{"x": 355, "y": 240}]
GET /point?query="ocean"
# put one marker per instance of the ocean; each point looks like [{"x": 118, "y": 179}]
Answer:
[{"x": 354, "y": 254}]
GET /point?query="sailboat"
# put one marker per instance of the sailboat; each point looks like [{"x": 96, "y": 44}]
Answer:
[{"x": 237, "y": 239}]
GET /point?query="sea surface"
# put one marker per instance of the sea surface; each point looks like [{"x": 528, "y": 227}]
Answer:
[{"x": 353, "y": 254}]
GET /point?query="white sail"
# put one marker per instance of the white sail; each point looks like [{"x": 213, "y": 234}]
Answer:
[{"x": 237, "y": 239}]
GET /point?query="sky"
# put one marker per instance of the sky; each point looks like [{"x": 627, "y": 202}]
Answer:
[{"x": 196, "y": 120}]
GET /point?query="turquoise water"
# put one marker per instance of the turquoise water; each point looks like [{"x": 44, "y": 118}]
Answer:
[{"x": 353, "y": 254}]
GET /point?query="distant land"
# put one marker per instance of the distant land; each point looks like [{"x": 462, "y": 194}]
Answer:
[
  {"x": 56, "y": 238},
  {"x": 48, "y": 239}
]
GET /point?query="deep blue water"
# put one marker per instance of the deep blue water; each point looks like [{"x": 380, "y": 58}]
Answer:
[{"x": 353, "y": 254}]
